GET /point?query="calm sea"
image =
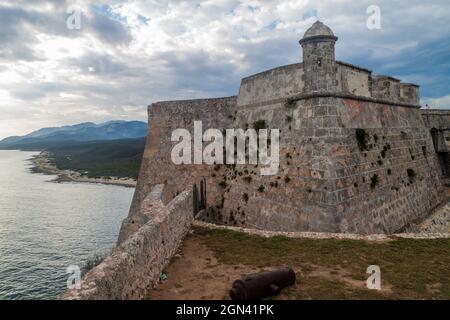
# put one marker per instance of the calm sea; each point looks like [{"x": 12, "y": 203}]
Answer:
[{"x": 47, "y": 226}]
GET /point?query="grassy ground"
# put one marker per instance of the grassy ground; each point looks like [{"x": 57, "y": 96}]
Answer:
[{"x": 331, "y": 268}]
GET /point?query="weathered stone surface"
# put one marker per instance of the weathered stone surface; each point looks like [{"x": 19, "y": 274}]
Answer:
[
  {"x": 272, "y": 84},
  {"x": 438, "y": 123},
  {"x": 135, "y": 266},
  {"x": 151, "y": 205},
  {"x": 438, "y": 222},
  {"x": 326, "y": 180},
  {"x": 357, "y": 156}
]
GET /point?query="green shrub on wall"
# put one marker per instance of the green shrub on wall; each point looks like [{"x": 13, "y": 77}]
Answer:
[
  {"x": 362, "y": 138},
  {"x": 373, "y": 181},
  {"x": 260, "y": 124},
  {"x": 289, "y": 103},
  {"x": 411, "y": 174}
]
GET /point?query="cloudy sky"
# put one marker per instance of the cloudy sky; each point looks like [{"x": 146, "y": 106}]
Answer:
[{"x": 128, "y": 54}]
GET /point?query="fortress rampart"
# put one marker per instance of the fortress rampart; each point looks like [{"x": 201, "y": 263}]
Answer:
[
  {"x": 356, "y": 152},
  {"x": 358, "y": 157},
  {"x": 134, "y": 267}
]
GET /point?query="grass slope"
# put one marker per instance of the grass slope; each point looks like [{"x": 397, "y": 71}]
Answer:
[{"x": 336, "y": 269}]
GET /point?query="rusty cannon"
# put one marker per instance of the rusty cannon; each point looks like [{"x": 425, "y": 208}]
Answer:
[{"x": 261, "y": 285}]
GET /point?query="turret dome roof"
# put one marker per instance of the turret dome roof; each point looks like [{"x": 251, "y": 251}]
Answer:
[{"x": 318, "y": 29}]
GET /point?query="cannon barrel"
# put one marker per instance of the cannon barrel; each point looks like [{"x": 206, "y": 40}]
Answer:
[{"x": 261, "y": 285}]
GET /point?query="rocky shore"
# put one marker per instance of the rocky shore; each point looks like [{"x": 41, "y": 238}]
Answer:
[{"x": 42, "y": 164}]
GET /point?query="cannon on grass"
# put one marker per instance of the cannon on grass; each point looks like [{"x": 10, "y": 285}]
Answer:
[{"x": 260, "y": 285}]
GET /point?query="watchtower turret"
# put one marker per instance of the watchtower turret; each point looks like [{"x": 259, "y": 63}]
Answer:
[{"x": 318, "y": 58}]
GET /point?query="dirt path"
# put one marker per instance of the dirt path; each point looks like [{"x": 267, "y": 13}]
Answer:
[{"x": 195, "y": 274}]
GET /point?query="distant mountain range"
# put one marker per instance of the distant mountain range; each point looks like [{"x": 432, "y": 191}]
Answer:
[{"x": 83, "y": 132}]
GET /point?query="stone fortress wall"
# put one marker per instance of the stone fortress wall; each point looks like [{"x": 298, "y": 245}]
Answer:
[
  {"x": 157, "y": 166},
  {"x": 325, "y": 180},
  {"x": 356, "y": 153},
  {"x": 134, "y": 267},
  {"x": 357, "y": 156},
  {"x": 438, "y": 122}
]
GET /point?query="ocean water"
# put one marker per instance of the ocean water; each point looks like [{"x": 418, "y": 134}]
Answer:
[{"x": 47, "y": 226}]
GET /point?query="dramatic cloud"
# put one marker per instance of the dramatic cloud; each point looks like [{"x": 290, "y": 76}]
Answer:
[{"x": 129, "y": 54}]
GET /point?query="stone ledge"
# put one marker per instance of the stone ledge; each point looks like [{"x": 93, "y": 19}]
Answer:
[
  {"x": 190, "y": 101},
  {"x": 345, "y": 95},
  {"x": 435, "y": 111},
  {"x": 262, "y": 73},
  {"x": 341, "y": 95},
  {"x": 323, "y": 235},
  {"x": 346, "y": 64}
]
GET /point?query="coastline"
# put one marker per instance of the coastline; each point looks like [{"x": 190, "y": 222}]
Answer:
[{"x": 42, "y": 164}]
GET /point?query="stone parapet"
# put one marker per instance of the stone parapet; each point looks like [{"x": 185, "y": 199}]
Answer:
[{"x": 134, "y": 267}]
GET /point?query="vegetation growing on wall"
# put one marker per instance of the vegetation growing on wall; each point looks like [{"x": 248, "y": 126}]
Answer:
[
  {"x": 223, "y": 184},
  {"x": 247, "y": 179},
  {"x": 373, "y": 181},
  {"x": 385, "y": 149},
  {"x": 411, "y": 174},
  {"x": 424, "y": 151},
  {"x": 92, "y": 262},
  {"x": 289, "y": 103},
  {"x": 362, "y": 138},
  {"x": 259, "y": 124}
]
